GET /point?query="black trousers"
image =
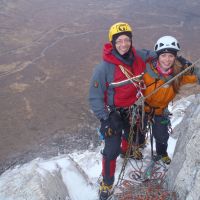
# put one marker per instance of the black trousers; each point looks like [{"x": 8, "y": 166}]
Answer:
[
  {"x": 160, "y": 133},
  {"x": 112, "y": 149}
]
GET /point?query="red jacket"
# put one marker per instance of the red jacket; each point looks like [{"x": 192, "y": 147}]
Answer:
[
  {"x": 125, "y": 95},
  {"x": 107, "y": 72}
]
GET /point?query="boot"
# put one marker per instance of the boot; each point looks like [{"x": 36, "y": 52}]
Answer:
[
  {"x": 105, "y": 191},
  {"x": 166, "y": 159}
]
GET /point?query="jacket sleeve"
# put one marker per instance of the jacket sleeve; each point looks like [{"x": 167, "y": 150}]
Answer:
[
  {"x": 189, "y": 79},
  {"x": 146, "y": 54},
  {"x": 97, "y": 91}
]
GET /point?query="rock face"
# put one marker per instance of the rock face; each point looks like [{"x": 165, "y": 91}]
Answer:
[
  {"x": 184, "y": 171},
  {"x": 34, "y": 183}
]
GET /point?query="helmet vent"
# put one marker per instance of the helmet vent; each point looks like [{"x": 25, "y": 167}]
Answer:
[{"x": 161, "y": 44}]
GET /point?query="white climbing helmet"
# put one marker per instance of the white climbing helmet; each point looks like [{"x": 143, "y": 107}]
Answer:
[{"x": 167, "y": 44}]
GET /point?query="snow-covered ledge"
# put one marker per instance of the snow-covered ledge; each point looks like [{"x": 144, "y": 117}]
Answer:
[
  {"x": 33, "y": 183},
  {"x": 59, "y": 178}
]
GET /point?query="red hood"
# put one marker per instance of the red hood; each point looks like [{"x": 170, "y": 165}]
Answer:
[{"x": 109, "y": 57}]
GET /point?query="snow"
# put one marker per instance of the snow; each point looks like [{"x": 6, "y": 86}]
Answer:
[
  {"x": 71, "y": 176},
  {"x": 178, "y": 109}
]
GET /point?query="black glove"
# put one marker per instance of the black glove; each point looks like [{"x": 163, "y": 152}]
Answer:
[
  {"x": 116, "y": 121},
  {"x": 184, "y": 61},
  {"x": 105, "y": 129},
  {"x": 112, "y": 125}
]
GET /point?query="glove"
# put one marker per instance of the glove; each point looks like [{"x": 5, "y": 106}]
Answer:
[
  {"x": 185, "y": 63},
  {"x": 112, "y": 125},
  {"x": 105, "y": 129},
  {"x": 116, "y": 121}
]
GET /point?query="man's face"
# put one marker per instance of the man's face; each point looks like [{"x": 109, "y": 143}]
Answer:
[{"x": 123, "y": 44}]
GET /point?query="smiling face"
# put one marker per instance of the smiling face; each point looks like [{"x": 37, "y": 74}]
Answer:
[
  {"x": 123, "y": 44},
  {"x": 166, "y": 60}
]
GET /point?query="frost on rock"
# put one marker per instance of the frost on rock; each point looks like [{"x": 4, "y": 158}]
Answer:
[
  {"x": 184, "y": 171},
  {"x": 33, "y": 182}
]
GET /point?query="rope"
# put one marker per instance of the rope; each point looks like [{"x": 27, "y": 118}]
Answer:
[
  {"x": 142, "y": 98},
  {"x": 135, "y": 115},
  {"x": 140, "y": 86},
  {"x": 130, "y": 142},
  {"x": 129, "y": 75}
]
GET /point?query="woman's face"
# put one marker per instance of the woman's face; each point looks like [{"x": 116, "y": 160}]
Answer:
[
  {"x": 166, "y": 60},
  {"x": 123, "y": 44}
]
